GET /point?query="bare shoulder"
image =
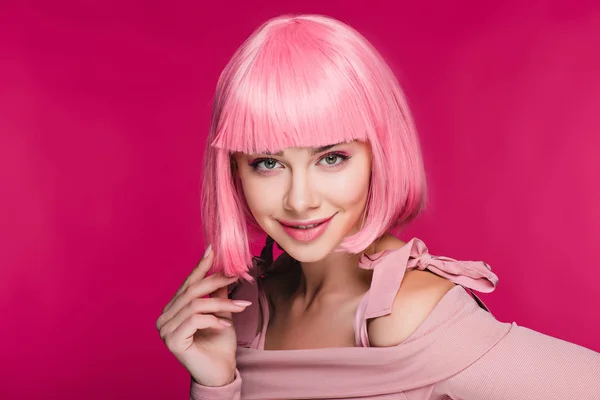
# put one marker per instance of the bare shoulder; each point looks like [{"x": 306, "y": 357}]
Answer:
[{"x": 419, "y": 293}]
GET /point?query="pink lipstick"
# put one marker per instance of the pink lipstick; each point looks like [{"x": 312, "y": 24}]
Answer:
[{"x": 305, "y": 231}]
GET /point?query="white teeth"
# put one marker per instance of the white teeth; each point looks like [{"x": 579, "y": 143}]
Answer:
[{"x": 306, "y": 226}]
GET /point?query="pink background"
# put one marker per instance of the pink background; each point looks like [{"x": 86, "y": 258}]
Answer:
[{"x": 104, "y": 107}]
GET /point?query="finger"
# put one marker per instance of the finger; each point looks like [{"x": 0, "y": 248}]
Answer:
[
  {"x": 198, "y": 273},
  {"x": 197, "y": 290},
  {"x": 204, "y": 265},
  {"x": 221, "y": 293},
  {"x": 182, "y": 337},
  {"x": 203, "y": 306},
  {"x": 200, "y": 289},
  {"x": 201, "y": 269}
]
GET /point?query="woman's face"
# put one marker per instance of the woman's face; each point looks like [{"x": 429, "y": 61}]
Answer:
[{"x": 308, "y": 199}]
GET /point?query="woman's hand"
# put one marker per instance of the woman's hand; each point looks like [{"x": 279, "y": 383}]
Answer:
[{"x": 199, "y": 331}]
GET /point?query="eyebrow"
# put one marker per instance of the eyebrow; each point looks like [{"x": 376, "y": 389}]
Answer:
[{"x": 315, "y": 150}]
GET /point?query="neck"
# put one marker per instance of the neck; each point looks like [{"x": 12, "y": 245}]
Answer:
[{"x": 338, "y": 275}]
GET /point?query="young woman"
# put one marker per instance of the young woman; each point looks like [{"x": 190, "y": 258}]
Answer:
[{"x": 312, "y": 143}]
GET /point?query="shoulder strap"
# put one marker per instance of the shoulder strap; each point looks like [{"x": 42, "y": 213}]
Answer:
[{"x": 388, "y": 272}]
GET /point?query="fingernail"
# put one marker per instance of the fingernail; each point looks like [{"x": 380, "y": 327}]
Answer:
[
  {"x": 224, "y": 322},
  {"x": 242, "y": 303},
  {"x": 207, "y": 251}
]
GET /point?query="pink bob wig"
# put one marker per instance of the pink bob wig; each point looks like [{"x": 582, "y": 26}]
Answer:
[{"x": 308, "y": 81}]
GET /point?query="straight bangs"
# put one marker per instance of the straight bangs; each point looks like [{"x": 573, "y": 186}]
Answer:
[{"x": 292, "y": 89}]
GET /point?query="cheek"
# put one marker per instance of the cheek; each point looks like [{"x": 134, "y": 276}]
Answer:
[
  {"x": 262, "y": 197},
  {"x": 349, "y": 189}
]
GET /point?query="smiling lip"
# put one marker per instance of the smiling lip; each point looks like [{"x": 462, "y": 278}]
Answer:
[{"x": 305, "y": 231}]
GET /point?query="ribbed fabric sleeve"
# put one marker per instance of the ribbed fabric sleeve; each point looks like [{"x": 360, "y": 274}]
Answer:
[
  {"x": 231, "y": 391},
  {"x": 526, "y": 365}
]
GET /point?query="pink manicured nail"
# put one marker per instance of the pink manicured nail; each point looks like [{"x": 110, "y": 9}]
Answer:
[
  {"x": 223, "y": 322},
  {"x": 207, "y": 251},
  {"x": 242, "y": 303}
]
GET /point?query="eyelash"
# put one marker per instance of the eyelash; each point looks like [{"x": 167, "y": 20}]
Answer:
[{"x": 254, "y": 164}]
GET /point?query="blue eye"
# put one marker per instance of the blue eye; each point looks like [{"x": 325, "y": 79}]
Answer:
[
  {"x": 330, "y": 159},
  {"x": 333, "y": 159},
  {"x": 263, "y": 164},
  {"x": 269, "y": 163}
]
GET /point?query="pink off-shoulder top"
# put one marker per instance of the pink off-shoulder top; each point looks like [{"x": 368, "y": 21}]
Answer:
[{"x": 460, "y": 351}]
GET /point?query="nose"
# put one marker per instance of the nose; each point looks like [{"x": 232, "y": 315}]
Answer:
[{"x": 300, "y": 195}]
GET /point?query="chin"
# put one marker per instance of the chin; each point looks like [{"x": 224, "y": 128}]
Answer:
[
  {"x": 313, "y": 251},
  {"x": 306, "y": 253}
]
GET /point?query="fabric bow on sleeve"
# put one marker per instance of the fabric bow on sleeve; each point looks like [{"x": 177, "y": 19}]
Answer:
[{"x": 476, "y": 275}]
